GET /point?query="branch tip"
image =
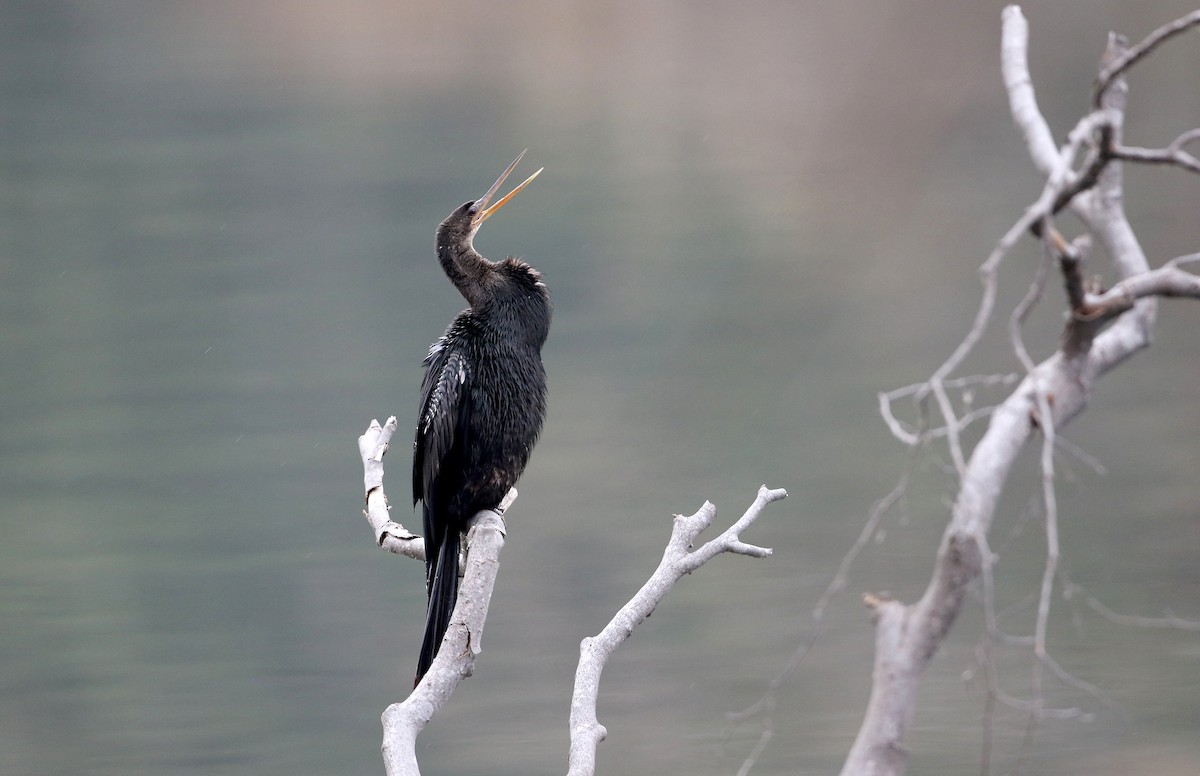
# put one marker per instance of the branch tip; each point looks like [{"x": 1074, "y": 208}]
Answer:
[{"x": 873, "y": 601}]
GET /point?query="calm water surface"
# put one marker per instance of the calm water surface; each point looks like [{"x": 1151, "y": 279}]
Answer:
[{"x": 217, "y": 267}]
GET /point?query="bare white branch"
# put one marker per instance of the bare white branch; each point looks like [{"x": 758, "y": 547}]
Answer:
[
  {"x": 1175, "y": 153},
  {"x": 1014, "y": 66},
  {"x": 403, "y": 722},
  {"x": 1050, "y": 395},
  {"x": 677, "y": 560},
  {"x": 1168, "y": 280},
  {"x": 455, "y": 661},
  {"x": 391, "y": 536}
]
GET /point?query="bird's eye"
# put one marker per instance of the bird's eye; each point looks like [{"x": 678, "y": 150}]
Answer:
[{"x": 472, "y": 209}]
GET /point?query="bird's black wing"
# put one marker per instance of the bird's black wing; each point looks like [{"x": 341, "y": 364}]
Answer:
[
  {"x": 443, "y": 418},
  {"x": 437, "y": 463}
]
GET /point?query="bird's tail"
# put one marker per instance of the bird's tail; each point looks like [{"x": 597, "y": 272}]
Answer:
[{"x": 443, "y": 593}]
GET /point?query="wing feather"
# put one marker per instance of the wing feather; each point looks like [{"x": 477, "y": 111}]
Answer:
[{"x": 444, "y": 392}]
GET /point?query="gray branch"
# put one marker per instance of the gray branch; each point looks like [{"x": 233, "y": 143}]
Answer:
[
  {"x": 1175, "y": 154},
  {"x": 1131, "y": 55},
  {"x": 1050, "y": 395}
]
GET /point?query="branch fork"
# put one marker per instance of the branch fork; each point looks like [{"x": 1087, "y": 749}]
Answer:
[{"x": 678, "y": 559}]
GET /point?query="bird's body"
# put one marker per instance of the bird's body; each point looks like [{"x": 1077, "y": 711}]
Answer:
[{"x": 483, "y": 401}]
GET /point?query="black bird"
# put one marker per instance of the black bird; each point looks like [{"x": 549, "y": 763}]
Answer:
[{"x": 483, "y": 399}]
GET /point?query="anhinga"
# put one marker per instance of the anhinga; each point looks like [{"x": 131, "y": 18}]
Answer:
[{"x": 483, "y": 399}]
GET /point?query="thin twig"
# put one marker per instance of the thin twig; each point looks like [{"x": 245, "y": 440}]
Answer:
[
  {"x": 1050, "y": 502},
  {"x": 914, "y": 436},
  {"x": 987, "y": 658},
  {"x": 764, "y": 738},
  {"x": 1134, "y": 54},
  {"x": 1038, "y": 711},
  {"x": 836, "y": 585},
  {"x": 1179, "y": 260},
  {"x": 1169, "y": 620},
  {"x": 1017, "y": 318},
  {"x": 1089, "y": 460},
  {"x": 1172, "y": 154}
]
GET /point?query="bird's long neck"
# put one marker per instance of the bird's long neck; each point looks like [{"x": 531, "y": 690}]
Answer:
[{"x": 467, "y": 269}]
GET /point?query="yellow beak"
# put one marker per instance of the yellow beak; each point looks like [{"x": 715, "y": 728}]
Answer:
[{"x": 484, "y": 212}]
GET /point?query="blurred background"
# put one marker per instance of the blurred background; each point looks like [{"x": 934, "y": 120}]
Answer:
[{"x": 216, "y": 267}]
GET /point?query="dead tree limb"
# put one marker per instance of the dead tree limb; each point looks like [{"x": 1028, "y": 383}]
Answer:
[
  {"x": 678, "y": 559},
  {"x": 1103, "y": 330},
  {"x": 455, "y": 661}
]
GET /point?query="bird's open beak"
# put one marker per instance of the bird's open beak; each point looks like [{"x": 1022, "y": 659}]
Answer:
[{"x": 485, "y": 212}]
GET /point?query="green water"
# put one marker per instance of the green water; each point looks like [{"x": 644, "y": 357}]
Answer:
[{"x": 216, "y": 267}]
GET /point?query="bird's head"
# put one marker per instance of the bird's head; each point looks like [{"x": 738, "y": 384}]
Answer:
[{"x": 461, "y": 225}]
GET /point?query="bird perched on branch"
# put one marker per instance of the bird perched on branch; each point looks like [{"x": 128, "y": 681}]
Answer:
[{"x": 483, "y": 399}]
